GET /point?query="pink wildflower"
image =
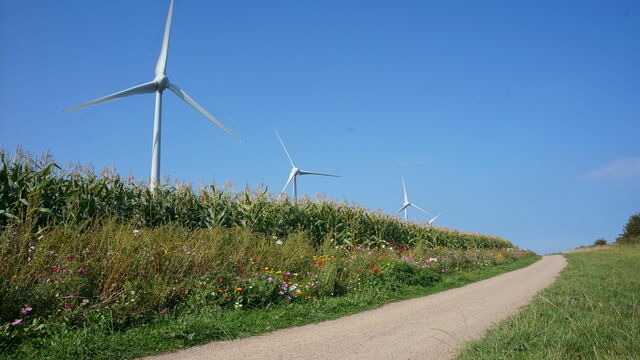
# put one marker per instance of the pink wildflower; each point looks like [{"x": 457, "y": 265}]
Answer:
[
  {"x": 26, "y": 310},
  {"x": 16, "y": 322},
  {"x": 82, "y": 271}
]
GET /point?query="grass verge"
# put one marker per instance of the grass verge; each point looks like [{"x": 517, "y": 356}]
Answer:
[
  {"x": 591, "y": 312},
  {"x": 180, "y": 330}
]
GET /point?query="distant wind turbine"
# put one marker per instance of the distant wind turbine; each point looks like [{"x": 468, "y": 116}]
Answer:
[
  {"x": 406, "y": 204},
  {"x": 430, "y": 222},
  {"x": 295, "y": 171},
  {"x": 158, "y": 85}
]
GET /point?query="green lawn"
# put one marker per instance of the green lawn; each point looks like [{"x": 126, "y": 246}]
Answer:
[
  {"x": 184, "y": 330},
  {"x": 591, "y": 312}
]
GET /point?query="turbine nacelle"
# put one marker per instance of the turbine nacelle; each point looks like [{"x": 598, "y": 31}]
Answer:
[{"x": 161, "y": 81}]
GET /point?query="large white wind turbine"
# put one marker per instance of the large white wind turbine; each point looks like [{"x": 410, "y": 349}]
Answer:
[
  {"x": 295, "y": 171},
  {"x": 406, "y": 204},
  {"x": 158, "y": 85}
]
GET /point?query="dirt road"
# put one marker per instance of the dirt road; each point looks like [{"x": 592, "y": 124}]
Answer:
[{"x": 431, "y": 327}]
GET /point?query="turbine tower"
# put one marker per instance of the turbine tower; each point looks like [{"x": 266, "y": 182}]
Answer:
[
  {"x": 158, "y": 85},
  {"x": 295, "y": 171},
  {"x": 406, "y": 204}
]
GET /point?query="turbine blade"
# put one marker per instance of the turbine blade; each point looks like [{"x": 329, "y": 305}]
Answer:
[
  {"x": 404, "y": 190},
  {"x": 302, "y": 172},
  {"x": 161, "y": 65},
  {"x": 421, "y": 209},
  {"x": 183, "y": 95},
  {"x": 402, "y": 208},
  {"x": 285, "y": 148},
  {"x": 434, "y": 218},
  {"x": 291, "y": 176},
  {"x": 138, "y": 89}
]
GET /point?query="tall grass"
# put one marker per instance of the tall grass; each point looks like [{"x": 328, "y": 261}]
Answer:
[
  {"x": 80, "y": 250},
  {"x": 592, "y": 311},
  {"x": 38, "y": 192}
]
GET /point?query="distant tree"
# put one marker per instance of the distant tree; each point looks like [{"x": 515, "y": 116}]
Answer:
[
  {"x": 631, "y": 234},
  {"x": 600, "y": 242}
]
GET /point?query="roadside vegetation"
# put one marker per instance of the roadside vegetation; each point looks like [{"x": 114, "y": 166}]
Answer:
[
  {"x": 591, "y": 312},
  {"x": 94, "y": 264},
  {"x": 631, "y": 231}
]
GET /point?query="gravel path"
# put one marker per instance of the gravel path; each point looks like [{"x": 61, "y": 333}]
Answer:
[{"x": 430, "y": 327}]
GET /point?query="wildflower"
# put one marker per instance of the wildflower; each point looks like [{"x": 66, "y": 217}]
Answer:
[
  {"x": 220, "y": 290},
  {"x": 13, "y": 277},
  {"x": 309, "y": 273},
  {"x": 284, "y": 285},
  {"x": 68, "y": 306},
  {"x": 269, "y": 279},
  {"x": 238, "y": 289},
  {"x": 285, "y": 277},
  {"x": 37, "y": 328},
  {"x": 55, "y": 269},
  {"x": 25, "y": 310},
  {"x": 136, "y": 232},
  {"x": 71, "y": 257},
  {"x": 16, "y": 322},
  {"x": 139, "y": 275},
  {"x": 298, "y": 292},
  {"x": 82, "y": 271},
  {"x": 163, "y": 311},
  {"x": 279, "y": 242},
  {"x": 280, "y": 292},
  {"x": 266, "y": 268},
  {"x": 220, "y": 281}
]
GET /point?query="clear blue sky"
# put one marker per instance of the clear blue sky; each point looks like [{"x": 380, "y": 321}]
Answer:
[{"x": 514, "y": 118}]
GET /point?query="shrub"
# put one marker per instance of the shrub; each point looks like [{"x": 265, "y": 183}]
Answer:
[
  {"x": 600, "y": 242},
  {"x": 631, "y": 234}
]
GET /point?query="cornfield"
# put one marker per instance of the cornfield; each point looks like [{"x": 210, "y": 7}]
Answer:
[{"x": 37, "y": 192}]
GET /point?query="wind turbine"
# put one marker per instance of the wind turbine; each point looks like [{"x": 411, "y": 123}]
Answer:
[
  {"x": 430, "y": 222},
  {"x": 158, "y": 85},
  {"x": 406, "y": 204},
  {"x": 295, "y": 171}
]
